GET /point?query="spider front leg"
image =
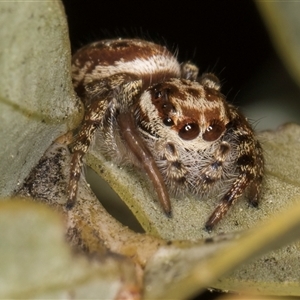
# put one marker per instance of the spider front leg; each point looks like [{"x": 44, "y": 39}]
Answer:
[
  {"x": 79, "y": 148},
  {"x": 250, "y": 165},
  {"x": 227, "y": 201},
  {"x": 96, "y": 97},
  {"x": 119, "y": 91}
]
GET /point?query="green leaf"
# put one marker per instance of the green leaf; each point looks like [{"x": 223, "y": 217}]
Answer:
[
  {"x": 275, "y": 273},
  {"x": 37, "y": 263},
  {"x": 181, "y": 273},
  {"x": 37, "y": 103},
  {"x": 190, "y": 214}
]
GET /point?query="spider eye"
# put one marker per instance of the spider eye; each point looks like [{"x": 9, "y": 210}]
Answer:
[
  {"x": 168, "y": 121},
  {"x": 189, "y": 131},
  {"x": 157, "y": 94},
  {"x": 212, "y": 132}
]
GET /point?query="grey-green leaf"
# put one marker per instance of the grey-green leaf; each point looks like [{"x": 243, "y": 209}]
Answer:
[
  {"x": 37, "y": 103},
  {"x": 37, "y": 263},
  {"x": 281, "y": 185},
  {"x": 275, "y": 273}
]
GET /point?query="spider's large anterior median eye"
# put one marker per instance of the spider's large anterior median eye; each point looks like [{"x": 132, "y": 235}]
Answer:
[
  {"x": 213, "y": 131},
  {"x": 189, "y": 131}
]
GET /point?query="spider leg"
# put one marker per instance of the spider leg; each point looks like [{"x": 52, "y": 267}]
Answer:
[
  {"x": 250, "y": 164},
  {"x": 75, "y": 173},
  {"x": 227, "y": 201},
  {"x": 80, "y": 148},
  {"x": 250, "y": 178},
  {"x": 254, "y": 188},
  {"x": 189, "y": 71},
  {"x": 98, "y": 94},
  {"x": 254, "y": 192}
]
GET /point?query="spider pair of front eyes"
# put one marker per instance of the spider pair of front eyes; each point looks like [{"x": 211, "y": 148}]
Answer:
[
  {"x": 190, "y": 131},
  {"x": 187, "y": 132}
]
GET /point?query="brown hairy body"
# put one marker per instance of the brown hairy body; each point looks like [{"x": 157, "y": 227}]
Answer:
[{"x": 159, "y": 115}]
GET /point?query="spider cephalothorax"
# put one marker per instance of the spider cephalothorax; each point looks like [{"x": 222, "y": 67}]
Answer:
[{"x": 160, "y": 116}]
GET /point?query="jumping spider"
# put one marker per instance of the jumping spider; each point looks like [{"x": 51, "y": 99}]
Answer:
[{"x": 161, "y": 117}]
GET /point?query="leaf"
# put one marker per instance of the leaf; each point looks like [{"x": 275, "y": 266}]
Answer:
[
  {"x": 37, "y": 263},
  {"x": 182, "y": 268},
  {"x": 275, "y": 273},
  {"x": 189, "y": 214},
  {"x": 182, "y": 273},
  {"x": 37, "y": 103}
]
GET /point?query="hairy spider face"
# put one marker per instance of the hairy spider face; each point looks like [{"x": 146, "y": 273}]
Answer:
[
  {"x": 186, "y": 126},
  {"x": 188, "y": 111},
  {"x": 159, "y": 115}
]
